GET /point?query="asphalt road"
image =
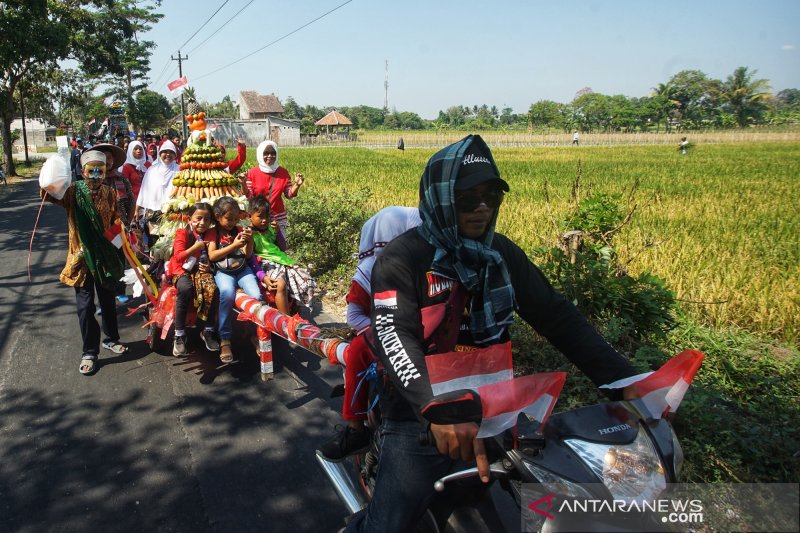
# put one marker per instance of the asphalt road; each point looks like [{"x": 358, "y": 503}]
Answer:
[{"x": 150, "y": 442}]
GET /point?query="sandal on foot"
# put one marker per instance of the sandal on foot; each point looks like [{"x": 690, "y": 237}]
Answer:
[
  {"x": 225, "y": 353},
  {"x": 115, "y": 346},
  {"x": 88, "y": 365}
]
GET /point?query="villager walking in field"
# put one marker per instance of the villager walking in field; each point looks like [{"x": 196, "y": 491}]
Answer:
[
  {"x": 575, "y": 138},
  {"x": 274, "y": 182},
  {"x": 684, "y": 146},
  {"x": 93, "y": 265},
  {"x": 401, "y": 145}
]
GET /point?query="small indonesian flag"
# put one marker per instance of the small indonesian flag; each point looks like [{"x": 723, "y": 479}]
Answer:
[
  {"x": 385, "y": 299},
  {"x": 91, "y": 121},
  {"x": 114, "y": 234},
  {"x": 534, "y": 395},
  {"x": 177, "y": 84},
  {"x": 662, "y": 391},
  {"x": 489, "y": 371},
  {"x": 105, "y": 122}
]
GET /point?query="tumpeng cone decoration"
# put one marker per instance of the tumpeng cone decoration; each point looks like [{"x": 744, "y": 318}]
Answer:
[{"x": 270, "y": 321}]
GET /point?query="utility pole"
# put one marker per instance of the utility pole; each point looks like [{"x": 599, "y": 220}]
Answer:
[
  {"x": 386, "y": 90},
  {"x": 180, "y": 60}
]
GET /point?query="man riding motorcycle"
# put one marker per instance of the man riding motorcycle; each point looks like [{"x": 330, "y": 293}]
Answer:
[{"x": 453, "y": 284}]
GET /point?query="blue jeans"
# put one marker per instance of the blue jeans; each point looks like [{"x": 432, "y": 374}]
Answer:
[
  {"x": 227, "y": 284},
  {"x": 404, "y": 484}
]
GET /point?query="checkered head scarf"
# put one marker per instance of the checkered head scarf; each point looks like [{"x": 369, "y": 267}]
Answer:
[{"x": 479, "y": 268}]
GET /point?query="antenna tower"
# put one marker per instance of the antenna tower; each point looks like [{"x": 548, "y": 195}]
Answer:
[{"x": 386, "y": 90}]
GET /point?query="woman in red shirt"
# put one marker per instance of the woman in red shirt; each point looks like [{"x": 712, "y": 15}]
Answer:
[
  {"x": 135, "y": 166},
  {"x": 274, "y": 182}
]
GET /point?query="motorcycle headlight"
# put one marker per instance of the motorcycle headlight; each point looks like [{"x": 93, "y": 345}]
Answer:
[
  {"x": 556, "y": 484},
  {"x": 631, "y": 472}
]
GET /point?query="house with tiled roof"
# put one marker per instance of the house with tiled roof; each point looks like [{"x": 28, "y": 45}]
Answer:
[{"x": 259, "y": 106}]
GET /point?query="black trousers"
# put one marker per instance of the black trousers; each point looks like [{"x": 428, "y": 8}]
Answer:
[
  {"x": 183, "y": 300},
  {"x": 90, "y": 330}
]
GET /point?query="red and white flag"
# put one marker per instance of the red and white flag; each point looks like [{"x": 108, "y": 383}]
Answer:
[
  {"x": 105, "y": 122},
  {"x": 114, "y": 234},
  {"x": 489, "y": 371},
  {"x": 534, "y": 395},
  {"x": 177, "y": 84},
  {"x": 663, "y": 390},
  {"x": 385, "y": 299},
  {"x": 91, "y": 121}
]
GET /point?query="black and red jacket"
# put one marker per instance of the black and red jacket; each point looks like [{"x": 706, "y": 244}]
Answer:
[{"x": 410, "y": 302}]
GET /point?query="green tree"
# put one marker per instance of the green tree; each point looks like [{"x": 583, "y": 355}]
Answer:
[
  {"x": 39, "y": 33},
  {"x": 744, "y": 96},
  {"x": 697, "y": 98},
  {"x": 544, "y": 114},
  {"x": 292, "y": 110},
  {"x": 593, "y": 111},
  {"x": 226, "y": 108},
  {"x": 150, "y": 112}
]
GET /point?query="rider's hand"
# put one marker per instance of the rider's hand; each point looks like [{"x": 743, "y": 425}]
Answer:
[
  {"x": 271, "y": 284},
  {"x": 203, "y": 267},
  {"x": 460, "y": 441}
]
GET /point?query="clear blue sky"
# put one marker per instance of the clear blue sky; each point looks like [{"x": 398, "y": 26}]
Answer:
[{"x": 444, "y": 53}]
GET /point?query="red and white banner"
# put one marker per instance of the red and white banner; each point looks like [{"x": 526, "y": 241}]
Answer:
[
  {"x": 114, "y": 234},
  {"x": 469, "y": 370},
  {"x": 177, "y": 84},
  {"x": 489, "y": 371},
  {"x": 534, "y": 395},
  {"x": 105, "y": 122},
  {"x": 91, "y": 121},
  {"x": 663, "y": 390}
]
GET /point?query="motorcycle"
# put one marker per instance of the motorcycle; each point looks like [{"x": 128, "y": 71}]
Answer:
[{"x": 614, "y": 451}]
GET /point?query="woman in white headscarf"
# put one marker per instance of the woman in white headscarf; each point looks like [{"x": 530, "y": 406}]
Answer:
[
  {"x": 376, "y": 233},
  {"x": 135, "y": 166},
  {"x": 157, "y": 184},
  {"x": 274, "y": 182}
]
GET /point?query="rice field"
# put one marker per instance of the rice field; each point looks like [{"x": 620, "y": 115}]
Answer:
[{"x": 720, "y": 225}]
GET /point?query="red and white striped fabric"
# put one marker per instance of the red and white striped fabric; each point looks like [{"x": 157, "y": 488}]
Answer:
[
  {"x": 662, "y": 391},
  {"x": 114, "y": 234},
  {"x": 177, "y": 84},
  {"x": 534, "y": 395},
  {"x": 489, "y": 371},
  {"x": 469, "y": 370},
  {"x": 385, "y": 299}
]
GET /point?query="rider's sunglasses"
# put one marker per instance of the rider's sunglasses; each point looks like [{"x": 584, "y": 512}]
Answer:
[{"x": 467, "y": 203}]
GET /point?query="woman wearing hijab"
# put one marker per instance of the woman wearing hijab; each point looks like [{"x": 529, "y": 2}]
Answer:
[
  {"x": 156, "y": 185},
  {"x": 274, "y": 182},
  {"x": 377, "y": 232},
  {"x": 152, "y": 154},
  {"x": 135, "y": 166}
]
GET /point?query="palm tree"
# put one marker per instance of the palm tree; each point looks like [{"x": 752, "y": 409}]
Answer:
[
  {"x": 666, "y": 92},
  {"x": 746, "y": 97}
]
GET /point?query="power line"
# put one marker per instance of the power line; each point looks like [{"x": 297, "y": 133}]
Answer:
[
  {"x": 193, "y": 50},
  {"x": 204, "y": 24},
  {"x": 273, "y": 42}
]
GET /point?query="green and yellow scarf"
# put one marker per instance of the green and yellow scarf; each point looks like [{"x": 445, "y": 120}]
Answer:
[{"x": 100, "y": 255}]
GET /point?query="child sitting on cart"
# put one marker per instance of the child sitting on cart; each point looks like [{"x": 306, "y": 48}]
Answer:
[
  {"x": 229, "y": 247},
  {"x": 276, "y": 270},
  {"x": 191, "y": 274}
]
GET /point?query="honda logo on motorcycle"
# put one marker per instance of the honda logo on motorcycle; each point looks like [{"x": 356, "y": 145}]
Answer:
[{"x": 613, "y": 429}]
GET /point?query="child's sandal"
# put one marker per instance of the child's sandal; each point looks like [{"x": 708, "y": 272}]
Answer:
[{"x": 225, "y": 353}]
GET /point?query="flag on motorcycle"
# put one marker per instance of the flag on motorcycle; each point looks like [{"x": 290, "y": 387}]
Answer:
[
  {"x": 489, "y": 372},
  {"x": 662, "y": 391},
  {"x": 502, "y": 402}
]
